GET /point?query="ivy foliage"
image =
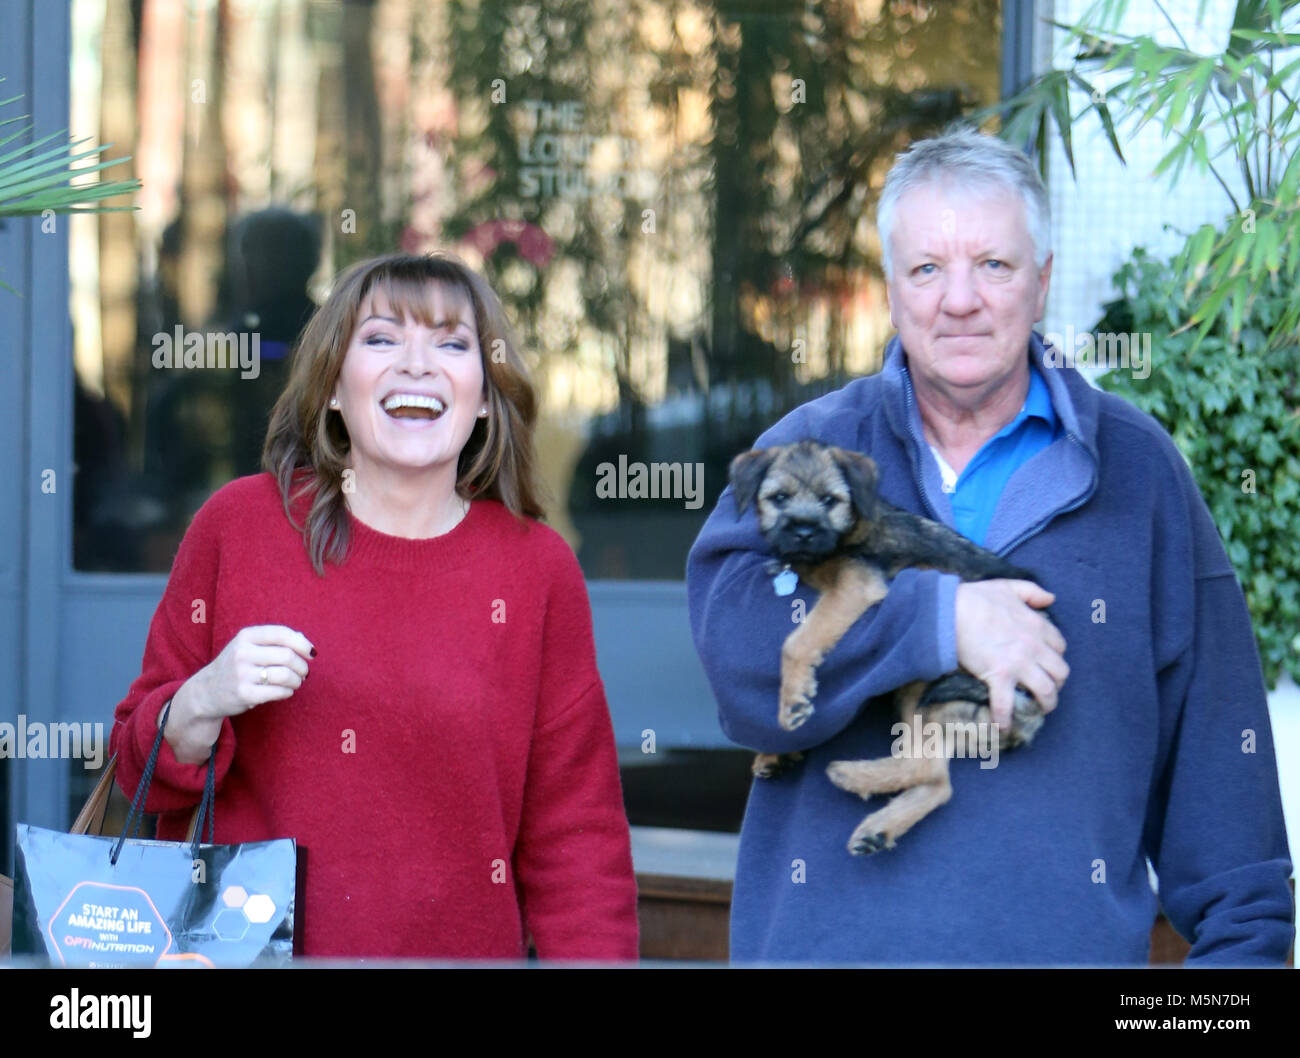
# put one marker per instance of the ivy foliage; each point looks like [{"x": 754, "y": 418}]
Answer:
[{"x": 1233, "y": 408}]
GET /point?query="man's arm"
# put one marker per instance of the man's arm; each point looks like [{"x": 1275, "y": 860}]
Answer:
[
  {"x": 739, "y": 624},
  {"x": 1214, "y": 826}
]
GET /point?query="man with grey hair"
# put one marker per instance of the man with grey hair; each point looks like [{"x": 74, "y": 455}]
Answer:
[{"x": 1161, "y": 748}]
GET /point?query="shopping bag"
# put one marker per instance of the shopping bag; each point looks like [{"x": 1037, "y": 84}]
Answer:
[
  {"x": 89, "y": 820},
  {"x": 6, "y": 912},
  {"x": 82, "y": 901}
]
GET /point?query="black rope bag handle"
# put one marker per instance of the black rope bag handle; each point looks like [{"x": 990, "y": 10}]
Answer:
[{"x": 207, "y": 807}]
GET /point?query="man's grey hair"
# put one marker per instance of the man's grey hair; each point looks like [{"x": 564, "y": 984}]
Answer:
[{"x": 969, "y": 159}]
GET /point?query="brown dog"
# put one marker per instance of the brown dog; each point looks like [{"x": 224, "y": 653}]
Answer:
[{"x": 819, "y": 512}]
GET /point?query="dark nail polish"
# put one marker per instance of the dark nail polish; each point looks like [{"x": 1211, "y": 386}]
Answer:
[{"x": 313, "y": 651}]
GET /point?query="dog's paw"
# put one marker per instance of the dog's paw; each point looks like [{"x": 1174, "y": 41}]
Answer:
[
  {"x": 866, "y": 778},
  {"x": 844, "y": 774},
  {"x": 771, "y": 765},
  {"x": 798, "y": 689},
  {"x": 794, "y": 713},
  {"x": 866, "y": 842}
]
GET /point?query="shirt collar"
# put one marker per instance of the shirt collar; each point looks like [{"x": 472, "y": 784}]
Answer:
[
  {"x": 1038, "y": 404},
  {"x": 1074, "y": 401}
]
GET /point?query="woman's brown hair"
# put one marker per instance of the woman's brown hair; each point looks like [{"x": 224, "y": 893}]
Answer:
[{"x": 307, "y": 447}]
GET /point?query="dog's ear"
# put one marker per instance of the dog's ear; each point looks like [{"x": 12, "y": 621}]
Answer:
[
  {"x": 746, "y": 473},
  {"x": 860, "y": 472}
]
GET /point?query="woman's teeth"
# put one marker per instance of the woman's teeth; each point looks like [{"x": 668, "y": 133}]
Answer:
[{"x": 413, "y": 406}]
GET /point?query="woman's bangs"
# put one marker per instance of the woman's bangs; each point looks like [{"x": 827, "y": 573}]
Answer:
[{"x": 435, "y": 302}]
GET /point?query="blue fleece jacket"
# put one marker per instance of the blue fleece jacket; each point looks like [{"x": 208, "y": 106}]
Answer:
[{"x": 1160, "y": 746}]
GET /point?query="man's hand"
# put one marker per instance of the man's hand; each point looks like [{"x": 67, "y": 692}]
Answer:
[{"x": 1003, "y": 640}]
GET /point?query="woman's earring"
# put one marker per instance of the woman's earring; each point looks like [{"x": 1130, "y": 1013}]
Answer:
[
  {"x": 334, "y": 402},
  {"x": 482, "y": 412}
]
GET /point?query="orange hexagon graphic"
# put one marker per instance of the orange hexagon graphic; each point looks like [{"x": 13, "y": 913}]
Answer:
[{"x": 186, "y": 960}]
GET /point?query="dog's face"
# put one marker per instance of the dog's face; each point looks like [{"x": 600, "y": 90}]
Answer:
[{"x": 811, "y": 498}]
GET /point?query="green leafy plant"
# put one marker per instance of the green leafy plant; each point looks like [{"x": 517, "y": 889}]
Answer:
[
  {"x": 1237, "y": 109},
  {"x": 1223, "y": 313},
  {"x": 38, "y": 176},
  {"x": 1232, "y": 405}
]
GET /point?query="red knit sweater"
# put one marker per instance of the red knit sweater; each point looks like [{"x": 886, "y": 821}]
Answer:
[{"x": 449, "y": 761}]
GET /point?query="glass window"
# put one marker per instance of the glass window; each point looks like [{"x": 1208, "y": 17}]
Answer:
[{"x": 673, "y": 199}]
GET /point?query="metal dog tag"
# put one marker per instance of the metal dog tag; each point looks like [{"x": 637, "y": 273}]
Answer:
[{"x": 785, "y": 582}]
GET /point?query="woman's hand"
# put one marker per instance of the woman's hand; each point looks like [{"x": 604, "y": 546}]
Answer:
[{"x": 262, "y": 663}]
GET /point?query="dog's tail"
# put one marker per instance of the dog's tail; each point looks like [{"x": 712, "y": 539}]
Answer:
[
  {"x": 1026, "y": 713},
  {"x": 955, "y": 687}
]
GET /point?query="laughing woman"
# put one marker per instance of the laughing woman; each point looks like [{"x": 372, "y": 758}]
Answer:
[{"x": 391, "y": 655}]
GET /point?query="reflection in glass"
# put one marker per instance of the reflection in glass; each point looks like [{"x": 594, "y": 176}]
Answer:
[{"x": 673, "y": 199}]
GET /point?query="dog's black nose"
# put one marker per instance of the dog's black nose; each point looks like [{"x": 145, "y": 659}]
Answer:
[{"x": 803, "y": 531}]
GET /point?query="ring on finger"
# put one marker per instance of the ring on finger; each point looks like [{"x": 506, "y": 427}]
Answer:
[{"x": 262, "y": 678}]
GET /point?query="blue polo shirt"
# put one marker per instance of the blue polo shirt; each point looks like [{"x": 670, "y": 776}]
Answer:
[{"x": 976, "y": 492}]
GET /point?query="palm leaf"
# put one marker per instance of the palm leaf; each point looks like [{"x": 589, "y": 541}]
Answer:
[{"x": 37, "y": 177}]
